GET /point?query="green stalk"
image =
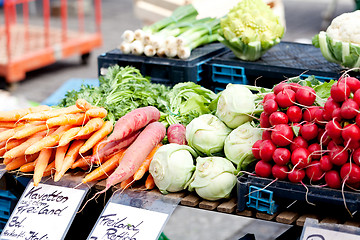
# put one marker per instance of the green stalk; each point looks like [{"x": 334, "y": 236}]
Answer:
[{"x": 178, "y": 14}]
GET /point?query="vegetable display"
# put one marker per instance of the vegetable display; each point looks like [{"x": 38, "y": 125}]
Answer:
[
  {"x": 340, "y": 42},
  {"x": 250, "y": 29},
  {"x": 186, "y": 137}
]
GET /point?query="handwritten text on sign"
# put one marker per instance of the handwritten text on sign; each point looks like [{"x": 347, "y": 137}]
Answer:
[
  {"x": 43, "y": 213},
  {"x": 128, "y": 223}
]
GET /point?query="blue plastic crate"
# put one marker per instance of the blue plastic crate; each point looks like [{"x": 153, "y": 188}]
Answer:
[
  {"x": 71, "y": 84},
  {"x": 261, "y": 199},
  {"x": 168, "y": 71},
  {"x": 228, "y": 74},
  {"x": 7, "y": 204},
  {"x": 285, "y": 60}
]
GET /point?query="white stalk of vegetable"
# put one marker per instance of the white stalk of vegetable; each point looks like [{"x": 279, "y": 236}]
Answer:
[
  {"x": 125, "y": 47},
  {"x": 128, "y": 36},
  {"x": 137, "y": 47},
  {"x": 149, "y": 51},
  {"x": 170, "y": 52},
  {"x": 160, "y": 52},
  {"x": 170, "y": 42}
]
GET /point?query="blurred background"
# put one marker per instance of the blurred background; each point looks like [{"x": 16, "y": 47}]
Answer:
[{"x": 303, "y": 19}]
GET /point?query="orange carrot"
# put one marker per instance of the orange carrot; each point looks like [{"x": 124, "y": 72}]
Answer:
[
  {"x": 20, "y": 150},
  {"x": 83, "y": 104},
  {"x": 96, "y": 112},
  {"x": 5, "y": 135},
  {"x": 106, "y": 129},
  {"x": 127, "y": 183},
  {"x": 7, "y": 160},
  {"x": 105, "y": 168},
  {"x": 15, "y": 115},
  {"x": 19, "y": 161},
  {"x": 146, "y": 163},
  {"x": 2, "y": 129},
  {"x": 30, "y": 129},
  {"x": 82, "y": 162},
  {"x": 97, "y": 146},
  {"x": 45, "y": 115},
  {"x": 68, "y": 136},
  {"x": 14, "y": 143},
  {"x": 68, "y": 119},
  {"x": 27, "y": 167},
  {"x": 136, "y": 153},
  {"x": 149, "y": 182},
  {"x": 69, "y": 159},
  {"x": 48, "y": 141},
  {"x": 91, "y": 126},
  {"x": 2, "y": 151},
  {"x": 50, "y": 166},
  {"x": 60, "y": 155},
  {"x": 10, "y": 124},
  {"x": 41, "y": 164}
]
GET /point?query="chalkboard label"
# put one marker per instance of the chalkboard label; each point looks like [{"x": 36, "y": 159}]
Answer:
[{"x": 43, "y": 212}]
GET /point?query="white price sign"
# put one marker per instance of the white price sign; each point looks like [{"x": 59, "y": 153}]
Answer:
[
  {"x": 124, "y": 222},
  {"x": 313, "y": 230},
  {"x": 43, "y": 212},
  {"x": 313, "y": 233}
]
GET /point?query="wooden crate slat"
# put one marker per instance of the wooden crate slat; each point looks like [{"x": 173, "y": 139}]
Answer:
[
  {"x": 246, "y": 213},
  {"x": 301, "y": 220},
  {"x": 287, "y": 217},
  {"x": 209, "y": 205},
  {"x": 265, "y": 216},
  {"x": 191, "y": 200},
  {"x": 228, "y": 207}
]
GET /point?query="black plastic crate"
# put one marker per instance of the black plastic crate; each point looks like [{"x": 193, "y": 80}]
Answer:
[
  {"x": 286, "y": 59},
  {"x": 278, "y": 192},
  {"x": 164, "y": 70}
]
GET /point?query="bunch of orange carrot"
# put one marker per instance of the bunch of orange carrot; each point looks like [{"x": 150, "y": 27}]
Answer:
[{"x": 46, "y": 140}]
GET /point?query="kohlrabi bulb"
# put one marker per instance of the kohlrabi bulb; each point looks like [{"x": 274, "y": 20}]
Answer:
[
  {"x": 235, "y": 105},
  {"x": 206, "y": 134},
  {"x": 172, "y": 167},
  {"x": 214, "y": 178}
]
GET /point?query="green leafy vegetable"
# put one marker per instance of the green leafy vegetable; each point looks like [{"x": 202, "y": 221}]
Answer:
[
  {"x": 121, "y": 90},
  {"x": 187, "y": 101}
]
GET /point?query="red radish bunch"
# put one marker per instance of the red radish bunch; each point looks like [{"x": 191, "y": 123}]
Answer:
[{"x": 302, "y": 141}]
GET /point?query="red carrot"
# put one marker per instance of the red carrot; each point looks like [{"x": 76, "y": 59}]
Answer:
[
  {"x": 176, "y": 134},
  {"x": 137, "y": 153},
  {"x": 134, "y": 121},
  {"x": 113, "y": 147}
]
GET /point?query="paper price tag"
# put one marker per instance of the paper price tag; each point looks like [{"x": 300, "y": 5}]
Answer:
[
  {"x": 134, "y": 214},
  {"x": 313, "y": 230},
  {"x": 125, "y": 222},
  {"x": 43, "y": 212},
  {"x": 312, "y": 233}
]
